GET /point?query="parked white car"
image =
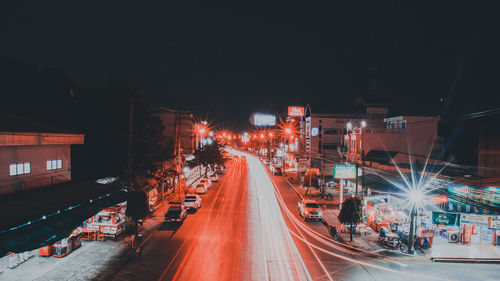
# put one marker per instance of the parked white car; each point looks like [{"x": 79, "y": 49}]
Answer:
[
  {"x": 214, "y": 178},
  {"x": 192, "y": 201},
  {"x": 310, "y": 209},
  {"x": 201, "y": 188},
  {"x": 207, "y": 181}
]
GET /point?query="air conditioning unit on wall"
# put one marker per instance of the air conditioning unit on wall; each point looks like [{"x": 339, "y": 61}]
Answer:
[{"x": 453, "y": 237}]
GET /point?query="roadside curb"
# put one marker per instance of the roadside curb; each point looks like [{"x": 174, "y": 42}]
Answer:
[{"x": 466, "y": 260}]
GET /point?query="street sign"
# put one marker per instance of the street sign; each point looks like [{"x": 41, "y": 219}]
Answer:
[
  {"x": 445, "y": 218},
  {"x": 494, "y": 223},
  {"x": 303, "y": 164},
  {"x": 344, "y": 172}
]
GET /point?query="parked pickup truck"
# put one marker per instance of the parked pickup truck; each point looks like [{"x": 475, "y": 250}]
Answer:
[
  {"x": 309, "y": 209},
  {"x": 176, "y": 213},
  {"x": 192, "y": 201}
]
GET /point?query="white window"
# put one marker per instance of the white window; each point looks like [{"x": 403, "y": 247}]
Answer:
[
  {"x": 54, "y": 164},
  {"x": 19, "y": 168},
  {"x": 13, "y": 169}
]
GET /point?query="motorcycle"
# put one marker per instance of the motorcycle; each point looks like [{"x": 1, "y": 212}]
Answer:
[{"x": 333, "y": 232}]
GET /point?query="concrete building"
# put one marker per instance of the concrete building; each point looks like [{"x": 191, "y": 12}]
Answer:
[
  {"x": 179, "y": 123},
  {"x": 489, "y": 152},
  {"x": 397, "y": 138},
  {"x": 29, "y": 160},
  {"x": 322, "y": 133}
]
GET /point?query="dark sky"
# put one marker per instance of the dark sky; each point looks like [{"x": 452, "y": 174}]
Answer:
[{"x": 230, "y": 59}]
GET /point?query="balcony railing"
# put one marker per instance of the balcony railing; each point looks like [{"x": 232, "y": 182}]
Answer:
[{"x": 385, "y": 130}]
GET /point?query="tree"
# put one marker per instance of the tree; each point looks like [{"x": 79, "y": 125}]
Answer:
[
  {"x": 310, "y": 180},
  {"x": 151, "y": 146},
  {"x": 351, "y": 212},
  {"x": 209, "y": 155},
  {"x": 137, "y": 208}
]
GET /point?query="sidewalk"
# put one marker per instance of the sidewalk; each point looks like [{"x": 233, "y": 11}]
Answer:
[
  {"x": 442, "y": 250},
  {"x": 94, "y": 260},
  {"x": 331, "y": 212}
]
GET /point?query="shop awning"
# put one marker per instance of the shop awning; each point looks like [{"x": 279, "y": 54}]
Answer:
[
  {"x": 43, "y": 216},
  {"x": 377, "y": 183}
]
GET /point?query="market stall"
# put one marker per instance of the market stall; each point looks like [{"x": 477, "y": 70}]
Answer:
[{"x": 110, "y": 221}]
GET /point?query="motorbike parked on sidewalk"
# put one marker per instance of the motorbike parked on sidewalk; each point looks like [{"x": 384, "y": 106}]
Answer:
[{"x": 333, "y": 232}]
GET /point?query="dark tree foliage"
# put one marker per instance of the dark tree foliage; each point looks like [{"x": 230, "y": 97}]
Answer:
[
  {"x": 137, "y": 208},
  {"x": 311, "y": 178},
  {"x": 210, "y": 155},
  {"x": 351, "y": 212},
  {"x": 151, "y": 146}
]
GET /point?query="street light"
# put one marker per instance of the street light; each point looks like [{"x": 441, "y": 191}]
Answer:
[
  {"x": 288, "y": 130},
  {"x": 349, "y": 125},
  {"x": 363, "y": 124}
]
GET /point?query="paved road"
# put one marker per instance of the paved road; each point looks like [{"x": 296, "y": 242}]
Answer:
[
  {"x": 238, "y": 234},
  {"x": 327, "y": 260},
  {"x": 248, "y": 229}
]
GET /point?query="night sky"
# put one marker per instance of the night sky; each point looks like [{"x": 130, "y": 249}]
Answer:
[{"x": 228, "y": 60}]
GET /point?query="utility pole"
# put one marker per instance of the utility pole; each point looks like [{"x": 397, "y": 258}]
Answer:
[
  {"x": 411, "y": 250},
  {"x": 362, "y": 174},
  {"x": 130, "y": 142},
  {"x": 356, "y": 193},
  {"x": 177, "y": 153}
]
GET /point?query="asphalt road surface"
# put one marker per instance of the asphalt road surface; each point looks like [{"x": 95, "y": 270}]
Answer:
[{"x": 248, "y": 229}]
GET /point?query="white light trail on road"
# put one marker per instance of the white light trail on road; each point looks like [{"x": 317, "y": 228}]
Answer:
[
  {"x": 296, "y": 222},
  {"x": 283, "y": 260}
]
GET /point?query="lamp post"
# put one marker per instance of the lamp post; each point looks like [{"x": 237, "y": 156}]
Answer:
[
  {"x": 416, "y": 197},
  {"x": 411, "y": 249}
]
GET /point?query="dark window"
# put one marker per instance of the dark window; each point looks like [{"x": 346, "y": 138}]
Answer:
[
  {"x": 330, "y": 131},
  {"x": 312, "y": 205},
  {"x": 330, "y": 146},
  {"x": 319, "y": 146}
]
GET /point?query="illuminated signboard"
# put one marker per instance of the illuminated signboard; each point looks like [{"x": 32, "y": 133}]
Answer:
[
  {"x": 445, "y": 218},
  {"x": 296, "y": 111},
  {"x": 344, "y": 172},
  {"x": 264, "y": 120},
  {"x": 494, "y": 223},
  {"x": 489, "y": 196}
]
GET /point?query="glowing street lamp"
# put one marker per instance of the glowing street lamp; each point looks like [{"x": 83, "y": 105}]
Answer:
[
  {"x": 288, "y": 130},
  {"x": 363, "y": 124},
  {"x": 270, "y": 134},
  {"x": 348, "y": 125},
  {"x": 202, "y": 130},
  {"x": 261, "y": 136}
]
